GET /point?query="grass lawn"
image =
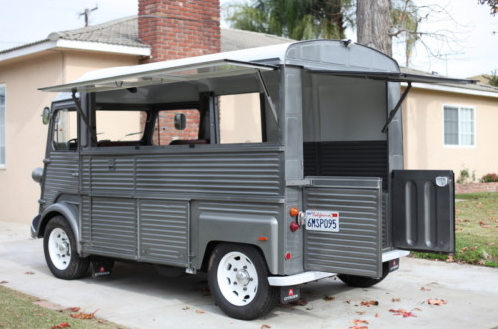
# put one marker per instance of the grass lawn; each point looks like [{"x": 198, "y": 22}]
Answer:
[
  {"x": 21, "y": 311},
  {"x": 476, "y": 230}
]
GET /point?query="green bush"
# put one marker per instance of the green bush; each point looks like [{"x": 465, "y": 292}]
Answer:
[{"x": 489, "y": 178}]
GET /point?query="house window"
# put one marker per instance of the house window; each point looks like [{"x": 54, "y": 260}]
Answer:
[
  {"x": 459, "y": 126},
  {"x": 2, "y": 126}
]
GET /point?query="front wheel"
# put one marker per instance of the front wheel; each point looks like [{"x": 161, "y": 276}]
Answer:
[
  {"x": 238, "y": 280},
  {"x": 59, "y": 246}
]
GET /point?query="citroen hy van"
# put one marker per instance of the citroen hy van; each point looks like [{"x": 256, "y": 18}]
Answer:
[{"x": 266, "y": 168}]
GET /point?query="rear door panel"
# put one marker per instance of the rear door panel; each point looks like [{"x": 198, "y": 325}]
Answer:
[{"x": 423, "y": 210}]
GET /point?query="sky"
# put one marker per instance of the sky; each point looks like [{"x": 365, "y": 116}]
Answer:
[{"x": 469, "y": 46}]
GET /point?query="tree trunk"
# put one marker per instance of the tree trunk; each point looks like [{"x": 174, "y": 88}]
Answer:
[{"x": 373, "y": 21}]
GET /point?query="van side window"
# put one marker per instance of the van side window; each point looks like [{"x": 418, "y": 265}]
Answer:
[
  {"x": 65, "y": 134},
  {"x": 240, "y": 118},
  {"x": 177, "y": 127},
  {"x": 120, "y": 128}
]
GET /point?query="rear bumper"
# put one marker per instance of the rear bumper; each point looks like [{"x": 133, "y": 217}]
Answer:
[{"x": 292, "y": 280}]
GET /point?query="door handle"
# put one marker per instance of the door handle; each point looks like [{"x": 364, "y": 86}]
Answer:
[{"x": 441, "y": 181}]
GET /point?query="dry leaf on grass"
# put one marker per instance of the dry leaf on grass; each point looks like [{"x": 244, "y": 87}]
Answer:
[
  {"x": 265, "y": 326},
  {"x": 83, "y": 316},
  {"x": 359, "y": 322},
  {"x": 62, "y": 325},
  {"x": 73, "y": 309}
]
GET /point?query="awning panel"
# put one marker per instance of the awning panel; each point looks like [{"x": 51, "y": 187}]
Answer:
[
  {"x": 394, "y": 76},
  {"x": 205, "y": 70}
]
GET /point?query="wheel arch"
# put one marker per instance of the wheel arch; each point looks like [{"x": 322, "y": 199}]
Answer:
[
  {"x": 69, "y": 211},
  {"x": 259, "y": 231}
]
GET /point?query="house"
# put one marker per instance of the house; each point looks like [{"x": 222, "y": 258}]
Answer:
[
  {"x": 447, "y": 127},
  {"x": 451, "y": 127}
]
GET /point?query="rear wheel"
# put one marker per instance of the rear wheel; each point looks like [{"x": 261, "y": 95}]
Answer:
[
  {"x": 59, "y": 246},
  {"x": 363, "y": 281},
  {"x": 238, "y": 280}
]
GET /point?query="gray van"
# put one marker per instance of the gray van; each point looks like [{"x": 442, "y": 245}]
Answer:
[{"x": 266, "y": 168}]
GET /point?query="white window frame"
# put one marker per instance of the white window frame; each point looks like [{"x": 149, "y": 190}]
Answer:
[
  {"x": 460, "y": 107},
  {"x": 3, "y": 127}
]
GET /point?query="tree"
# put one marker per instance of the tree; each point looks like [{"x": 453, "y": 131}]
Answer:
[
  {"x": 295, "y": 19},
  {"x": 373, "y": 23},
  {"x": 492, "y": 78},
  {"x": 493, "y": 4}
]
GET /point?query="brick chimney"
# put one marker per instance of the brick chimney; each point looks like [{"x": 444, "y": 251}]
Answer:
[{"x": 178, "y": 29}]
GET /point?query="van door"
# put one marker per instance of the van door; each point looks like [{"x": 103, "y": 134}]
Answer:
[
  {"x": 423, "y": 210},
  {"x": 61, "y": 180}
]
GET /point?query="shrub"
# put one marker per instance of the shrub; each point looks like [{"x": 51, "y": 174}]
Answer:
[{"x": 489, "y": 178}]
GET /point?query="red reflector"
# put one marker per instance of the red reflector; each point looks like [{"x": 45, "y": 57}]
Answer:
[
  {"x": 291, "y": 292},
  {"x": 288, "y": 256},
  {"x": 294, "y": 226},
  {"x": 102, "y": 269}
]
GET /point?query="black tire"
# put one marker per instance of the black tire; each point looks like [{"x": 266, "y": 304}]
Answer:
[
  {"x": 61, "y": 255},
  {"x": 238, "y": 280},
  {"x": 363, "y": 281}
]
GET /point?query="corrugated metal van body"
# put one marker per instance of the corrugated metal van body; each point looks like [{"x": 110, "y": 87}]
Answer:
[
  {"x": 60, "y": 176},
  {"x": 357, "y": 247},
  {"x": 142, "y": 204}
]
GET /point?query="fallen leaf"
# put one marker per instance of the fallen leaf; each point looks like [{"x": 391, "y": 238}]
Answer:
[
  {"x": 4, "y": 282},
  {"x": 328, "y": 298},
  {"x": 368, "y": 303},
  {"x": 395, "y": 300},
  {"x": 482, "y": 223},
  {"x": 489, "y": 244},
  {"x": 416, "y": 309},
  {"x": 360, "y": 312},
  {"x": 436, "y": 302},
  {"x": 473, "y": 248},
  {"x": 185, "y": 308},
  {"x": 265, "y": 326},
  {"x": 83, "y": 316},
  {"x": 450, "y": 259},
  {"x": 73, "y": 309},
  {"x": 425, "y": 289},
  {"x": 200, "y": 311},
  {"x": 359, "y": 322},
  {"x": 62, "y": 325},
  {"x": 29, "y": 273},
  {"x": 377, "y": 315},
  {"x": 358, "y": 327},
  {"x": 402, "y": 312}
]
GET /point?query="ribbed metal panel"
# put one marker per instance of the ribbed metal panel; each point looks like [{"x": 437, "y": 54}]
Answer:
[
  {"x": 113, "y": 225},
  {"x": 356, "y": 248},
  {"x": 250, "y": 173},
  {"x": 164, "y": 228},
  {"x": 59, "y": 176},
  {"x": 356, "y": 159},
  {"x": 235, "y": 208},
  {"x": 112, "y": 173}
]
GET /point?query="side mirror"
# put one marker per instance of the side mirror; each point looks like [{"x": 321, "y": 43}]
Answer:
[
  {"x": 46, "y": 115},
  {"x": 180, "y": 121}
]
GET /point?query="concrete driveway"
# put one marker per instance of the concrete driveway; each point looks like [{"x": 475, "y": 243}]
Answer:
[{"x": 138, "y": 297}]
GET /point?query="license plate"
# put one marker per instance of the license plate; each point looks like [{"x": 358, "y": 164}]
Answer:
[{"x": 321, "y": 220}]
